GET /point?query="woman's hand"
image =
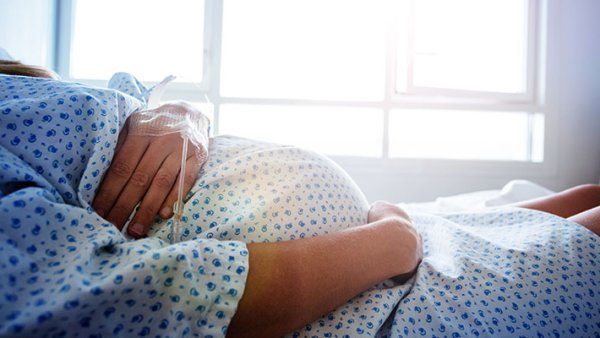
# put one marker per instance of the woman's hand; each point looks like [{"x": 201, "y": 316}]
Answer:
[
  {"x": 411, "y": 240},
  {"x": 146, "y": 169}
]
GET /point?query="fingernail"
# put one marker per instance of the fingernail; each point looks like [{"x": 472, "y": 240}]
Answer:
[
  {"x": 166, "y": 212},
  {"x": 136, "y": 230}
]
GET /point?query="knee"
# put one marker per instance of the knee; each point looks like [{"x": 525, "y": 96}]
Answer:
[
  {"x": 588, "y": 188},
  {"x": 587, "y": 191}
]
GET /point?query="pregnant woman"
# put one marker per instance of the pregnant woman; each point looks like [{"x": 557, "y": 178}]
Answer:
[
  {"x": 66, "y": 270},
  {"x": 273, "y": 238}
]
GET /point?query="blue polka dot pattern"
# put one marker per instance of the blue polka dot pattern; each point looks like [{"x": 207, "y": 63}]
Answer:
[
  {"x": 260, "y": 192},
  {"x": 507, "y": 272},
  {"x": 64, "y": 271}
]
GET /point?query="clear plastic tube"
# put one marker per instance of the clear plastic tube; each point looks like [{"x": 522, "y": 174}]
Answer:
[
  {"x": 169, "y": 118},
  {"x": 176, "y": 228}
]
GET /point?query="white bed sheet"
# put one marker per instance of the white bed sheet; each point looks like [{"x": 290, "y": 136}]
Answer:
[{"x": 513, "y": 192}]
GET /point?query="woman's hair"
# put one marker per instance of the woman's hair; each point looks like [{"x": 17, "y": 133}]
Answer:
[{"x": 9, "y": 67}]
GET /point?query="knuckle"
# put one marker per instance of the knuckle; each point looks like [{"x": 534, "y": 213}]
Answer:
[
  {"x": 397, "y": 222},
  {"x": 403, "y": 224},
  {"x": 139, "y": 179},
  {"x": 164, "y": 180},
  {"x": 121, "y": 169}
]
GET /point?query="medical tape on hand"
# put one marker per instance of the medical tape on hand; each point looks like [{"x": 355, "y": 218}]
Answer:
[{"x": 178, "y": 117}]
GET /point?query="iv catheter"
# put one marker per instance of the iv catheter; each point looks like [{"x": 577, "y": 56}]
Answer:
[{"x": 158, "y": 120}]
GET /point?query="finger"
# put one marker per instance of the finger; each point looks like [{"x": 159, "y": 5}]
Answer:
[
  {"x": 192, "y": 167},
  {"x": 118, "y": 174},
  {"x": 140, "y": 180},
  {"x": 155, "y": 196}
]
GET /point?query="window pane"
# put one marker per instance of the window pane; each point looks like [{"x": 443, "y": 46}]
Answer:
[
  {"x": 471, "y": 44},
  {"x": 334, "y": 131},
  {"x": 537, "y": 137},
  {"x": 26, "y": 32},
  {"x": 306, "y": 49},
  {"x": 459, "y": 135},
  {"x": 150, "y": 39}
]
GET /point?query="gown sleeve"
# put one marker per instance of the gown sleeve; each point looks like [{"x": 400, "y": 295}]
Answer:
[{"x": 64, "y": 269}]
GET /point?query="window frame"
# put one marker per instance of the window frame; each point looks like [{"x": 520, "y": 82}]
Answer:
[
  {"x": 532, "y": 101},
  {"x": 64, "y": 25},
  {"x": 424, "y": 92}
]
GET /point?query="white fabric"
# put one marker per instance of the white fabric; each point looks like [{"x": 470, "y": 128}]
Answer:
[
  {"x": 513, "y": 192},
  {"x": 4, "y": 55}
]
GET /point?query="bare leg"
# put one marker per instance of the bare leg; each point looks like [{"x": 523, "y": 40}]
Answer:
[
  {"x": 567, "y": 203},
  {"x": 589, "y": 219}
]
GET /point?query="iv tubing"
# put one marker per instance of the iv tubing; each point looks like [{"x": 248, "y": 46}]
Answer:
[{"x": 179, "y": 205}]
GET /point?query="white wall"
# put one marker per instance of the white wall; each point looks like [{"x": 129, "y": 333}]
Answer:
[
  {"x": 26, "y": 30},
  {"x": 576, "y": 88},
  {"x": 573, "y": 122}
]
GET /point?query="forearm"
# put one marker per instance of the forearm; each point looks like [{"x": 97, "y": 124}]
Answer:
[{"x": 295, "y": 282}]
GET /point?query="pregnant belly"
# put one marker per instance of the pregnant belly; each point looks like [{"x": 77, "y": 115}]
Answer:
[{"x": 261, "y": 192}]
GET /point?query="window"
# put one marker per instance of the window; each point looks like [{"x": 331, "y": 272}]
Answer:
[
  {"x": 471, "y": 45},
  {"x": 303, "y": 49},
  {"x": 459, "y": 134},
  {"x": 381, "y": 80},
  {"x": 151, "y": 39},
  {"x": 333, "y": 130}
]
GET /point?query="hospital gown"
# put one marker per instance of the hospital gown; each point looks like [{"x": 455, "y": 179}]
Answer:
[
  {"x": 64, "y": 271},
  {"x": 505, "y": 272}
]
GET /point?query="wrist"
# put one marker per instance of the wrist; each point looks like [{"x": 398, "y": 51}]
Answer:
[{"x": 405, "y": 243}]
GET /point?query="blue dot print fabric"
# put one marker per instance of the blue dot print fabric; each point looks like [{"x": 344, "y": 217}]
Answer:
[
  {"x": 506, "y": 272},
  {"x": 64, "y": 271}
]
